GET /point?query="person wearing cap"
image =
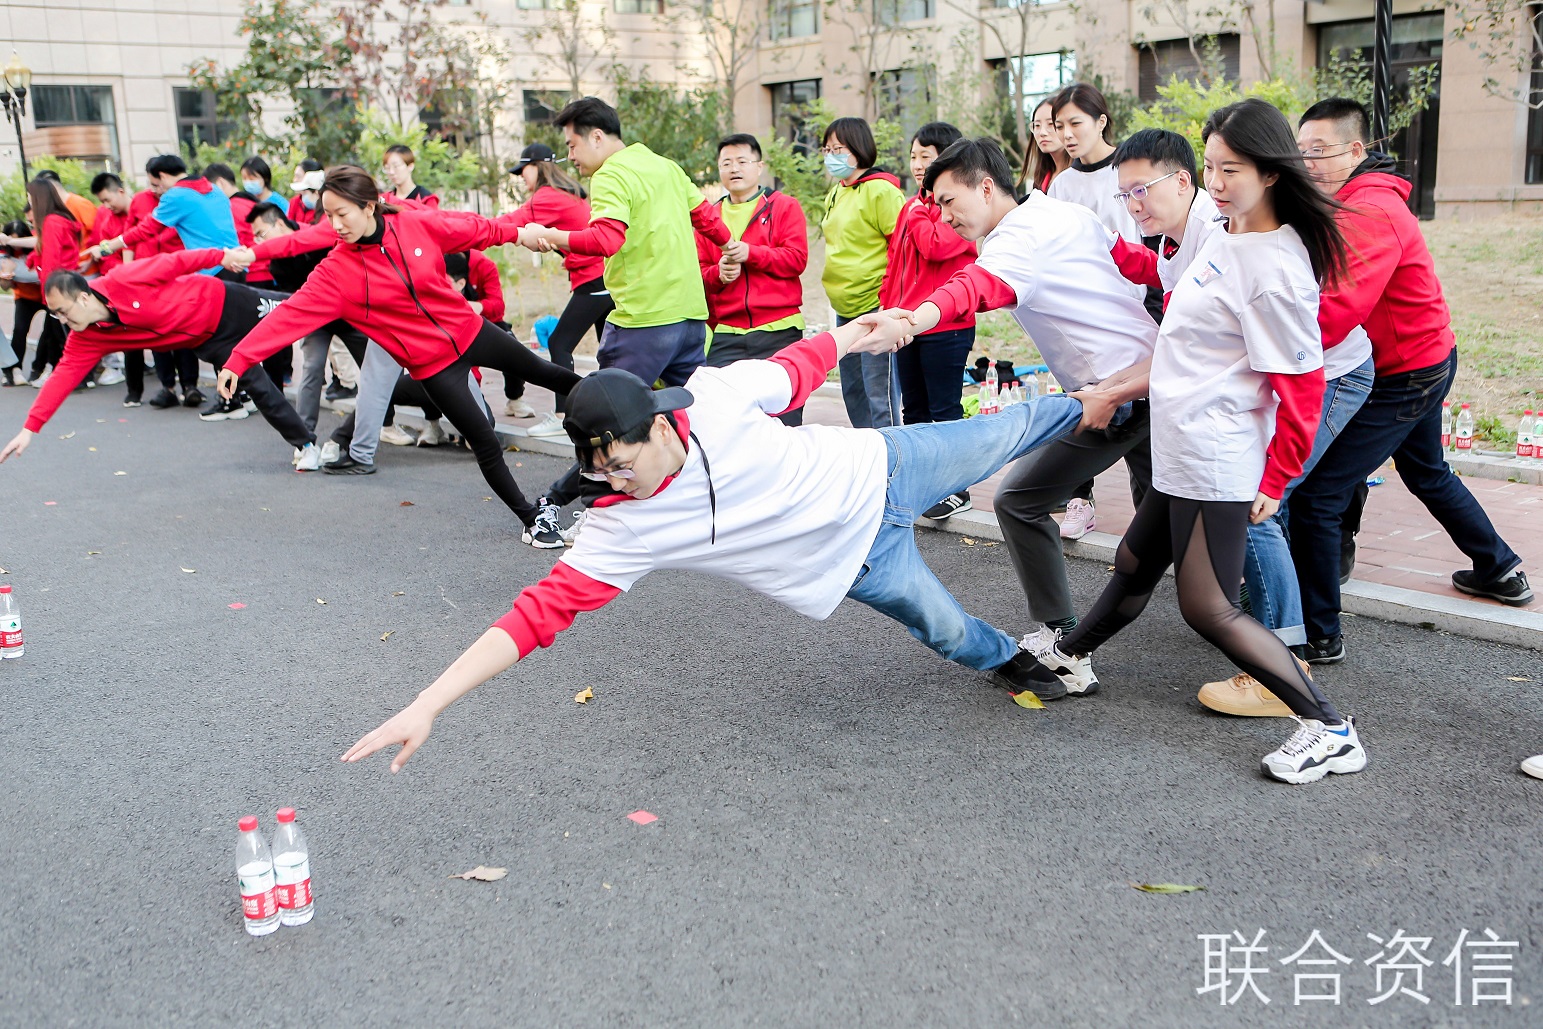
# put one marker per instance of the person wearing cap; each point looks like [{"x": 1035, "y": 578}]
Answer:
[
  {"x": 705, "y": 478},
  {"x": 556, "y": 199},
  {"x": 305, "y": 205}
]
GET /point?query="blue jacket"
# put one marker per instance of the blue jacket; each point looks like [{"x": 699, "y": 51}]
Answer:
[{"x": 200, "y": 214}]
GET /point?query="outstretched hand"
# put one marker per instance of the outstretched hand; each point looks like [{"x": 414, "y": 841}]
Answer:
[
  {"x": 226, "y": 383},
  {"x": 408, "y": 727},
  {"x": 17, "y": 445},
  {"x": 238, "y": 259},
  {"x": 533, "y": 237},
  {"x": 888, "y": 331}
]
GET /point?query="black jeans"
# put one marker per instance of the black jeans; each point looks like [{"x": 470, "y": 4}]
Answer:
[
  {"x": 589, "y": 305},
  {"x": 26, "y": 310},
  {"x": 174, "y": 365},
  {"x": 931, "y": 371},
  {"x": 447, "y": 389},
  {"x": 244, "y": 307},
  {"x": 50, "y": 346},
  {"x": 758, "y": 344},
  {"x": 1401, "y": 419}
]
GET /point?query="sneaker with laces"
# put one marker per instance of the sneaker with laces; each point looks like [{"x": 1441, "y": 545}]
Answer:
[
  {"x": 1315, "y": 750},
  {"x": 164, "y": 399},
  {"x": 37, "y": 380},
  {"x": 110, "y": 377},
  {"x": 224, "y": 410},
  {"x": 307, "y": 458},
  {"x": 571, "y": 533},
  {"x": 1024, "y": 674},
  {"x": 954, "y": 503},
  {"x": 548, "y": 427},
  {"x": 330, "y": 451},
  {"x": 1330, "y": 650},
  {"x": 1075, "y": 672},
  {"x": 519, "y": 409},
  {"x": 1533, "y": 766},
  {"x": 131, "y": 401},
  {"x": 1040, "y": 640},
  {"x": 396, "y": 436},
  {"x": 1080, "y": 519},
  {"x": 545, "y": 533},
  {"x": 1512, "y": 590},
  {"x": 346, "y": 465},
  {"x": 1244, "y": 696},
  {"x": 433, "y": 434}
]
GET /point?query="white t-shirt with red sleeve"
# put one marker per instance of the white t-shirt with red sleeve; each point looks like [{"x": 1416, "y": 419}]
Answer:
[{"x": 1245, "y": 308}]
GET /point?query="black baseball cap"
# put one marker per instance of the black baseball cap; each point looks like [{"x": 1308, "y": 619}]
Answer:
[
  {"x": 608, "y": 404},
  {"x": 532, "y": 154}
]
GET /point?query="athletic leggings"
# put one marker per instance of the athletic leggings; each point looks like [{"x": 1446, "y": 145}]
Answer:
[
  {"x": 26, "y": 310},
  {"x": 1204, "y": 540},
  {"x": 447, "y": 388}
]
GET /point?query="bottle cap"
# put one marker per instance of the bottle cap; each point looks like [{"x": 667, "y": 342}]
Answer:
[
  {"x": 248, "y": 824},
  {"x": 286, "y": 815},
  {"x": 7, "y": 589},
  {"x": 1465, "y": 407}
]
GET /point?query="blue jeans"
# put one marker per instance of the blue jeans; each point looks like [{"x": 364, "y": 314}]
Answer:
[
  {"x": 1273, "y": 594},
  {"x": 663, "y": 353},
  {"x": 926, "y": 464},
  {"x": 931, "y": 370},
  {"x": 869, "y": 387},
  {"x": 1400, "y": 419}
]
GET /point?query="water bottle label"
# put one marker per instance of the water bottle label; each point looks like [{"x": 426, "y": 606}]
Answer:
[
  {"x": 1465, "y": 443},
  {"x": 295, "y": 895},
  {"x": 259, "y": 905},
  {"x": 1446, "y": 440}
]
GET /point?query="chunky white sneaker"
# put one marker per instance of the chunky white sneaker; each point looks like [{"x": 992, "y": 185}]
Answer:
[
  {"x": 1315, "y": 750},
  {"x": 330, "y": 452},
  {"x": 396, "y": 436},
  {"x": 308, "y": 458},
  {"x": 545, "y": 533},
  {"x": 551, "y": 425},
  {"x": 519, "y": 409},
  {"x": 1040, "y": 641},
  {"x": 433, "y": 434},
  {"x": 42, "y": 377},
  {"x": 1075, "y": 672},
  {"x": 1079, "y": 520},
  {"x": 1533, "y": 766},
  {"x": 110, "y": 377},
  {"x": 571, "y": 533}
]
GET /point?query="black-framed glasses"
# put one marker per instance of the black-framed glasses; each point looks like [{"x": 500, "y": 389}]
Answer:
[{"x": 1140, "y": 192}]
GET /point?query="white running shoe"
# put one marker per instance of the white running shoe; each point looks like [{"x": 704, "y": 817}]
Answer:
[
  {"x": 110, "y": 377},
  {"x": 433, "y": 434},
  {"x": 519, "y": 409},
  {"x": 545, "y": 533},
  {"x": 1079, "y": 520},
  {"x": 1533, "y": 766},
  {"x": 42, "y": 377},
  {"x": 549, "y": 426},
  {"x": 330, "y": 452},
  {"x": 395, "y": 435},
  {"x": 1040, "y": 641},
  {"x": 571, "y": 533},
  {"x": 1315, "y": 750},
  {"x": 1075, "y": 672},
  {"x": 308, "y": 458}
]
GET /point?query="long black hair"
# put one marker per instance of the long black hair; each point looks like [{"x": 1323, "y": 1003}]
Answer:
[{"x": 1255, "y": 129}]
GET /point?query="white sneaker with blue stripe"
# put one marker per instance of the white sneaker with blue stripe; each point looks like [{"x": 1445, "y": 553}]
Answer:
[{"x": 1315, "y": 750}]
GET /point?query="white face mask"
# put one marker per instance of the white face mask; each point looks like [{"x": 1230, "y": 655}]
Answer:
[{"x": 252, "y": 186}]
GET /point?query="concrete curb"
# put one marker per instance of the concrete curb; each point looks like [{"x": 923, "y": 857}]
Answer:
[{"x": 1516, "y": 627}]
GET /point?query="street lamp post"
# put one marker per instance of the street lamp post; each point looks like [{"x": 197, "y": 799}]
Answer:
[
  {"x": 18, "y": 77},
  {"x": 1382, "y": 70}
]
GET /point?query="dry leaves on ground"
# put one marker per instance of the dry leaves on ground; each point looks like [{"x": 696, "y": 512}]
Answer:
[
  {"x": 1165, "y": 888},
  {"x": 482, "y": 873},
  {"x": 584, "y": 696}
]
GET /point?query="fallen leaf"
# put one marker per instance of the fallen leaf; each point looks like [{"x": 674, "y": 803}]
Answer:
[
  {"x": 643, "y": 817},
  {"x": 584, "y": 697},
  {"x": 1166, "y": 888},
  {"x": 320, "y": 601},
  {"x": 992, "y": 544},
  {"x": 386, "y": 635},
  {"x": 606, "y": 885},
  {"x": 5, "y": 571},
  {"x": 264, "y": 509},
  {"x": 967, "y": 541},
  {"x": 399, "y": 593},
  {"x": 120, "y": 473},
  {"x": 482, "y": 874},
  {"x": 71, "y": 435},
  {"x": 487, "y": 498},
  {"x": 90, "y": 552},
  {"x": 190, "y": 571},
  {"x": 1517, "y": 678},
  {"x": 235, "y": 607},
  {"x": 406, "y": 503},
  {"x": 92, "y": 449},
  {"x": 101, "y": 421},
  {"x": 1028, "y": 700}
]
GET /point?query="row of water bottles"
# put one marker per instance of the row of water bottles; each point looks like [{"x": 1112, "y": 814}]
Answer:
[
  {"x": 1457, "y": 431},
  {"x": 994, "y": 399},
  {"x": 275, "y": 882}
]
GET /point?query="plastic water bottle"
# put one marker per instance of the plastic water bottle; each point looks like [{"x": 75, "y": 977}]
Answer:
[
  {"x": 292, "y": 867},
  {"x": 254, "y": 876},
  {"x": 10, "y": 624},
  {"x": 992, "y": 382},
  {"x": 1526, "y": 436},
  {"x": 1446, "y": 425},
  {"x": 1052, "y": 387},
  {"x": 1030, "y": 387},
  {"x": 1464, "y": 428}
]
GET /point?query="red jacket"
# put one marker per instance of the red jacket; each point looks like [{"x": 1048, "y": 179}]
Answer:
[
  {"x": 58, "y": 247},
  {"x": 395, "y": 291},
  {"x": 924, "y": 253},
  {"x": 768, "y": 287},
  {"x": 240, "y": 206},
  {"x": 163, "y": 241},
  {"x": 156, "y": 303},
  {"x": 1391, "y": 289},
  {"x": 109, "y": 225},
  {"x": 558, "y": 209},
  {"x": 482, "y": 278}
]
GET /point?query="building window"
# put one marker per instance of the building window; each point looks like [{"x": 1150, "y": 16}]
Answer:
[
  {"x": 197, "y": 121},
  {"x": 451, "y": 115},
  {"x": 1042, "y": 75},
  {"x": 639, "y": 6},
  {"x": 1534, "y": 96},
  {"x": 77, "y": 121},
  {"x": 1218, "y": 60},
  {"x": 534, "y": 5},
  {"x": 541, "y": 106},
  {"x": 895, "y": 12},
  {"x": 790, "y": 104},
  {"x": 789, "y": 19}
]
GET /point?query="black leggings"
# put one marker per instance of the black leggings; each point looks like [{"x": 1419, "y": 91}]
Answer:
[
  {"x": 448, "y": 389},
  {"x": 588, "y": 307},
  {"x": 50, "y": 345},
  {"x": 26, "y": 310},
  {"x": 1204, "y": 541}
]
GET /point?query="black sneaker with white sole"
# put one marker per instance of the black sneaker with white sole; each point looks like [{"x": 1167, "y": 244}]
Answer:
[
  {"x": 193, "y": 397},
  {"x": 954, "y": 503},
  {"x": 224, "y": 410},
  {"x": 1024, "y": 674},
  {"x": 545, "y": 533},
  {"x": 164, "y": 399},
  {"x": 1513, "y": 589},
  {"x": 1330, "y": 650},
  {"x": 1075, "y": 672},
  {"x": 346, "y": 465}
]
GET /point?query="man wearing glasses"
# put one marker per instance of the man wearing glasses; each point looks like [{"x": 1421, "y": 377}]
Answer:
[{"x": 1392, "y": 291}]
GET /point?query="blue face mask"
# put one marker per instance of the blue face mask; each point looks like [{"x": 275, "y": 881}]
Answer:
[
  {"x": 252, "y": 186},
  {"x": 838, "y": 166},
  {"x": 309, "y": 200}
]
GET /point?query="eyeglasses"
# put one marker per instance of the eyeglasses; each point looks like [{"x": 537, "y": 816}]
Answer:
[
  {"x": 1316, "y": 153},
  {"x": 615, "y": 473},
  {"x": 835, "y": 150},
  {"x": 738, "y": 162},
  {"x": 58, "y": 315},
  {"x": 1140, "y": 192}
]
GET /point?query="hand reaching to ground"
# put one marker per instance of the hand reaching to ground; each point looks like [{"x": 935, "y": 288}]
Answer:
[
  {"x": 227, "y": 383},
  {"x": 408, "y": 727},
  {"x": 18, "y": 443}
]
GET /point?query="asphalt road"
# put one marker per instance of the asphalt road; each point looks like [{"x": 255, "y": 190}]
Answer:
[{"x": 850, "y": 831}]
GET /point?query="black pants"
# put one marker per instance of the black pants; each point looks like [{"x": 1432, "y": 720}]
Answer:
[
  {"x": 588, "y": 307},
  {"x": 26, "y": 310},
  {"x": 448, "y": 390},
  {"x": 244, "y": 307},
  {"x": 1204, "y": 541},
  {"x": 50, "y": 346},
  {"x": 134, "y": 373},
  {"x": 172, "y": 366},
  {"x": 758, "y": 344}
]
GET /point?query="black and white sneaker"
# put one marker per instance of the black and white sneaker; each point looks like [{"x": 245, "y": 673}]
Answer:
[
  {"x": 954, "y": 503},
  {"x": 224, "y": 410},
  {"x": 1025, "y": 675},
  {"x": 1075, "y": 672},
  {"x": 131, "y": 401},
  {"x": 164, "y": 399},
  {"x": 1314, "y": 751},
  {"x": 1327, "y": 651},
  {"x": 1513, "y": 589},
  {"x": 193, "y": 397},
  {"x": 545, "y": 533},
  {"x": 346, "y": 465}
]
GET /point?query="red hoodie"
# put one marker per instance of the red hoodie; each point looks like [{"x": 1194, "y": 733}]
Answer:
[
  {"x": 1391, "y": 289},
  {"x": 395, "y": 291},
  {"x": 155, "y": 303},
  {"x": 559, "y": 209},
  {"x": 768, "y": 288},
  {"x": 482, "y": 277},
  {"x": 241, "y": 205},
  {"x": 924, "y": 253},
  {"x": 164, "y": 240},
  {"x": 109, "y": 225},
  {"x": 58, "y": 247}
]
